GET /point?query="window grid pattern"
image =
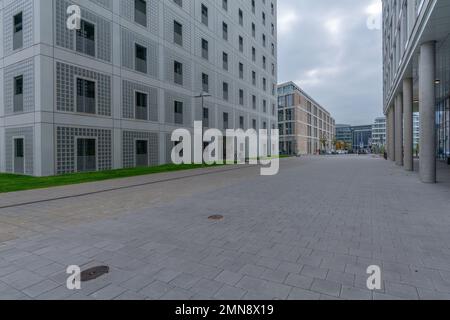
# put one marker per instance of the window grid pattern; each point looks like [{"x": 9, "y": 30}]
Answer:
[
  {"x": 169, "y": 60},
  {"x": 169, "y": 18},
  {"x": 127, "y": 11},
  {"x": 25, "y": 68},
  {"x": 65, "y": 88},
  {"x": 128, "y": 95},
  {"x": 170, "y": 98},
  {"x": 104, "y": 3},
  {"x": 16, "y": 6},
  {"x": 66, "y": 38},
  {"x": 28, "y": 134},
  {"x": 129, "y": 153},
  {"x": 129, "y": 40},
  {"x": 211, "y": 112},
  {"x": 66, "y": 148}
]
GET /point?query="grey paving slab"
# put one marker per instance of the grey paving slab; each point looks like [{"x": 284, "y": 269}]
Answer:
[
  {"x": 108, "y": 293},
  {"x": 299, "y": 281},
  {"x": 280, "y": 239},
  {"x": 302, "y": 294},
  {"x": 228, "y": 277},
  {"x": 230, "y": 293},
  {"x": 352, "y": 293},
  {"x": 326, "y": 287},
  {"x": 40, "y": 288}
]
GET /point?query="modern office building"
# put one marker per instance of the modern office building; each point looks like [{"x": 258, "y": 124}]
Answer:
[
  {"x": 354, "y": 138},
  {"x": 305, "y": 126},
  {"x": 362, "y": 138},
  {"x": 344, "y": 135},
  {"x": 109, "y": 94},
  {"x": 379, "y": 132},
  {"x": 416, "y": 64}
]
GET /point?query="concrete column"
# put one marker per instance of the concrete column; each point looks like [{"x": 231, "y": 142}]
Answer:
[
  {"x": 408, "y": 124},
  {"x": 427, "y": 77},
  {"x": 399, "y": 130},
  {"x": 391, "y": 138}
]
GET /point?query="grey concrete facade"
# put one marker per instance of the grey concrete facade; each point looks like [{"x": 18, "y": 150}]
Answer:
[
  {"x": 136, "y": 64},
  {"x": 415, "y": 38}
]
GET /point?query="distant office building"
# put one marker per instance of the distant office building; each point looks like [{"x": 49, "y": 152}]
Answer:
[
  {"x": 362, "y": 138},
  {"x": 305, "y": 126},
  {"x": 354, "y": 138},
  {"x": 344, "y": 135},
  {"x": 379, "y": 132}
]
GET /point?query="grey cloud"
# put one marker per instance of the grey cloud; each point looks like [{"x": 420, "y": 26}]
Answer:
[{"x": 326, "y": 47}]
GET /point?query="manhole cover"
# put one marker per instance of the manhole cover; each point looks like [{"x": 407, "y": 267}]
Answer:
[
  {"x": 94, "y": 273},
  {"x": 215, "y": 217}
]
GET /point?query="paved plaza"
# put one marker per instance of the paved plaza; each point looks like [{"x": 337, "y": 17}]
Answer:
[{"x": 308, "y": 233}]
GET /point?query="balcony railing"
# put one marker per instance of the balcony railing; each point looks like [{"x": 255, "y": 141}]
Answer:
[
  {"x": 85, "y": 104},
  {"x": 86, "y": 46},
  {"x": 141, "y": 65},
  {"x": 141, "y": 113},
  {"x": 18, "y": 40},
  {"x": 18, "y": 103},
  {"x": 178, "y": 118},
  {"x": 86, "y": 163}
]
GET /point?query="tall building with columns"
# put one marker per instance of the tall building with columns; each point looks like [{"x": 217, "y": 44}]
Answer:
[
  {"x": 416, "y": 64},
  {"x": 109, "y": 95}
]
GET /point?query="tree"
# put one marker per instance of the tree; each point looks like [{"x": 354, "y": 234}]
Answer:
[{"x": 323, "y": 142}]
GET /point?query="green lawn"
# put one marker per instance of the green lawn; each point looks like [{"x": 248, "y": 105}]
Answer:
[{"x": 10, "y": 182}]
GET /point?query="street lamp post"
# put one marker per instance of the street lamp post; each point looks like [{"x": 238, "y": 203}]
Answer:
[{"x": 203, "y": 95}]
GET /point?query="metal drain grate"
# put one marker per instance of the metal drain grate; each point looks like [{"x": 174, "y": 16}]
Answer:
[
  {"x": 215, "y": 217},
  {"x": 94, "y": 273}
]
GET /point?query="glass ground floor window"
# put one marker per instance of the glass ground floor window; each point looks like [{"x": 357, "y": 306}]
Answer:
[{"x": 443, "y": 129}]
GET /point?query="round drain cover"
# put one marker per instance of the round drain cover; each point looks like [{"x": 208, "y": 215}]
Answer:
[
  {"x": 216, "y": 217},
  {"x": 94, "y": 273}
]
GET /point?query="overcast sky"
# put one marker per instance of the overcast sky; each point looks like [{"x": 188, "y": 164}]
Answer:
[{"x": 327, "y": 48}]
